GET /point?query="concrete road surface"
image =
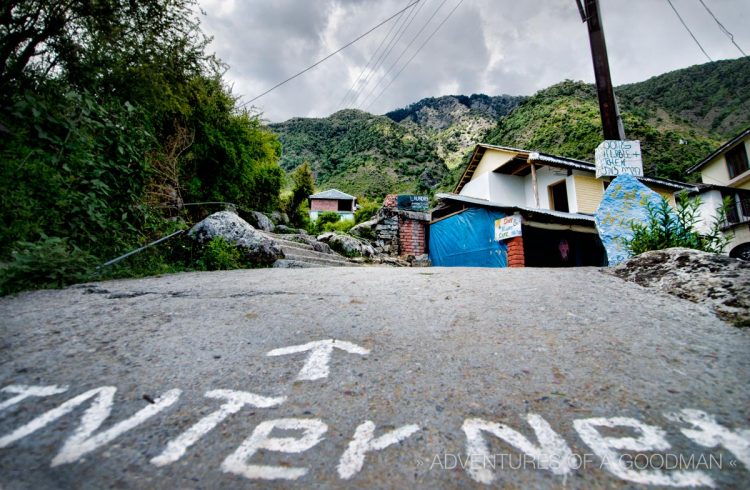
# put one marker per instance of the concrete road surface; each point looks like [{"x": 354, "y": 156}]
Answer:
[{"x": 370, "y": 377}]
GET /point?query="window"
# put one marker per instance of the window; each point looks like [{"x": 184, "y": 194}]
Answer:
[
  {"x": 345, "y": 205},
  {"x": 558, "y": 197},
  {"x": 737, "y": 160}
]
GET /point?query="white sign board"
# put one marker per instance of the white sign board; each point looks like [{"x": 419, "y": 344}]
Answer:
[
  {"x": 508, "y": 227},
  {"x": 616, "y": 157}
]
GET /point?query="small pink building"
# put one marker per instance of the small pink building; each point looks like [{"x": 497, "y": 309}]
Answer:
[{"x": 332, "y": 200}]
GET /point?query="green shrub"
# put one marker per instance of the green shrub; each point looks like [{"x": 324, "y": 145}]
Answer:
[
  {"x": 367, "y": 209},
  {"x": 667, "y": 227},
  {"x": 342, "y": 226},
  {"x": 219, "y": 254},
  {"x": 49, "y": 263}
]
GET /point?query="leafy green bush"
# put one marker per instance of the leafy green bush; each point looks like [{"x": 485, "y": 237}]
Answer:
[
  {"x": 367, "y": 209},
  {"x": 667, "y": 227},
  {"x": 49, "y": 263},
  {"x": 342, "y": 226},
  {"x": 219, "y": 254}
]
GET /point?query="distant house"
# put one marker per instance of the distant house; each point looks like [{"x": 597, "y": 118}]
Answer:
[
  {"x": 725, "y": 173},
  {"x": 554, "y": 198},
  {"x": 332, "y": 200}
]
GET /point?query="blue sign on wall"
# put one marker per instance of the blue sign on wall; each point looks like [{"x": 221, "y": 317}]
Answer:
[{"x": 625, "y": 201}]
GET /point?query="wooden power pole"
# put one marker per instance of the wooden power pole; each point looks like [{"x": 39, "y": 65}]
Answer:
[{"x": 611, "y": 122}]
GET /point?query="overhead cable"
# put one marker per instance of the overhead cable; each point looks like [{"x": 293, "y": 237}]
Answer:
[
  {"x": 723, "y": 29},
  {"x": 329, "y": 56},
  {"x": 688, "y": 29},
  {"x": 416, "y": 52}
]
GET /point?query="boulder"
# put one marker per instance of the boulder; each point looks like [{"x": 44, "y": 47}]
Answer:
[
  {"x": 279, "y": 218},
  {"x": 257, "y": 247},
  {"x": 346, "y": 245},
  {"x": 716, "y": 281},
  {"x": 366, "y": 229},
  {"x": 259, "y": 221}
]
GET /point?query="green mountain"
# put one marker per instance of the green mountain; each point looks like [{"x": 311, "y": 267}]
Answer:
[
  {"x": 360, "y": 153},
  {"x": 455, "y": 122},
  {"x": 680, "y": 117},
  {"x": 564, "y": 120}
]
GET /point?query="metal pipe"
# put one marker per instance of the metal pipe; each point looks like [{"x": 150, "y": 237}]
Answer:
[{"x": 141, "y": 249}]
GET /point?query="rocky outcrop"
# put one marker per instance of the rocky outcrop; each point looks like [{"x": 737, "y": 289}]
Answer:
[
  {"x": 287, "y": 230},
  {"x": 719, "y": 282},
  {"x": 347, "y": 245},
  {"x": 259, "y": 221},
  {"x": 366, "y": 229},
  {"x": 256, "y": 247}
]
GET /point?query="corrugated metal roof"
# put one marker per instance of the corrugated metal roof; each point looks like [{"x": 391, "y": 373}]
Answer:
[
  {"x": 332, "y": 194},
  {"x": 493, "y": 204}
]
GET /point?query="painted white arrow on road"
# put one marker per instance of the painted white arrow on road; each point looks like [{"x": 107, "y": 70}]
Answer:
[{"x": 316, "y": 366}]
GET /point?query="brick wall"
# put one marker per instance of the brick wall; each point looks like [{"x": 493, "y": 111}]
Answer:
[
  {"x": 324, "y": 205},
  {"x": 411, "y": 237},
  {"x": 515, "y": 252}
]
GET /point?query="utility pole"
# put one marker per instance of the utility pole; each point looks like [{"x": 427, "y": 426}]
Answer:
[{"x": 611, "y": 122}]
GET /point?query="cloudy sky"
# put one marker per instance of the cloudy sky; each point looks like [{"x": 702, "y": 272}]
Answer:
[{"x": 485, "y": 46}]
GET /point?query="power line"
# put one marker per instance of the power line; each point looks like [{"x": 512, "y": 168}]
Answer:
[
  {"x": 329, "y": 56},
  {"x": 723, "y": 29},
  {"x": 688, "y": 29},
  {"x": 359, "y": 77},
  {"x": 389, "y": 49},
  {"x": 390, "y": 68},
  {"x": 416, "y": 52}
]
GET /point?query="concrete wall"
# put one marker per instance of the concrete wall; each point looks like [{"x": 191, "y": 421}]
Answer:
[
  {"x": 492, "y": 159},
  {"x": 716, "y": 172},
  {"x": 343, "y": 215},
  {"x": 710, "y": 202}
]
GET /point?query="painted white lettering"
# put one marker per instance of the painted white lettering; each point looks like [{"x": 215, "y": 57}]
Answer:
[
  {"x": 236, "y": 463},
  {"x": 551, "y": 453},
  {"x": 235, "y": 400},
  {"x": 84, "y": 441},
  {"x": 23, "y": 392},
  {"x": 364, "y": 441},
  {"x": 316, "y": 366},
  {"x": 651, "y": 438},
  {"x": 709, "y": 433}
]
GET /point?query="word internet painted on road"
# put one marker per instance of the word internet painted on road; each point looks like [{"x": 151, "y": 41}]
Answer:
[{"x": 547, "y": 450}]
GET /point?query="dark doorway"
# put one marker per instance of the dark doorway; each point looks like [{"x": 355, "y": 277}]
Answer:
[
  {"x": 562, "y": 248},
  {"x": 558, "y": 195}
]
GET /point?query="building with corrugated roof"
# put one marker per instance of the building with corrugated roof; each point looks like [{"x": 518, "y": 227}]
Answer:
[{"x": 332, "y": 200}]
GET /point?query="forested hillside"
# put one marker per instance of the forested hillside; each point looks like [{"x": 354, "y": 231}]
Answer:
[
  {"x": 361, "y": 153},
  {"x": 113, "y": 115}
]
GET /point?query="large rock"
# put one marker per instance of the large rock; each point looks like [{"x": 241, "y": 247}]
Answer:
[
  {"x": 346, "y": 245},
  {"x": 257, "y": 247},
  {"x": 625, "y": 201},
  {"x": 366, "y": 229},
  {"x": 259, "y": 221},
  {"x": 310, "y": 240},
  {"x": 717, "y": 281}
]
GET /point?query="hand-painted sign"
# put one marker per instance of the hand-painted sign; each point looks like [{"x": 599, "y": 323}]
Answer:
[
  {"x": 408, "y": 202},
  {"x": 615, "y": 157},
  {"x": 508, "y": 227},
  {"x": 625, "y": 201}
]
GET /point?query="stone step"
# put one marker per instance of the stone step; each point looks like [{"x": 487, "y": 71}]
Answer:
[
  {"x": 317, "y": 261},
  {"x": 306, "y": 252}
]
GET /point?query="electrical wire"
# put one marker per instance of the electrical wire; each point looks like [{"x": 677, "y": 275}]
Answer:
[
  {"x": 359, "y": 77},
  {"x": 416, "y": 52},
  {"x": 329, "y": 56},
  {"x": 723, "y": 29},
  {"x": 394, "y": 42},
  {"x": 390, "y": 68},
  {"x": 688, "y": 29}
]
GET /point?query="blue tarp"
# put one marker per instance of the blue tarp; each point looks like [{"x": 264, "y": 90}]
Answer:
[{"x": 467, "y": 239}]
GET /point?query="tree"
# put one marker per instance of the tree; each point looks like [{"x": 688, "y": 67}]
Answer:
[{"x": 303, "y": 186}]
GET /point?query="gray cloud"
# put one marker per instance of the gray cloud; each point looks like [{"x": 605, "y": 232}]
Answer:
[{"x": 488, "y": 46}]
